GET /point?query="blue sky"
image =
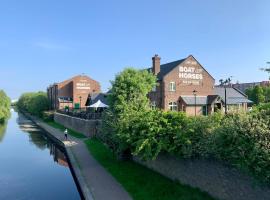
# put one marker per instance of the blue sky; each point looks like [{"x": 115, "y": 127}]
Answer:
[{"x": 47, "y": 41}]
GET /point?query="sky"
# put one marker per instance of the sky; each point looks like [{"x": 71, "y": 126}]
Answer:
[{"x": 47, "y": 41}]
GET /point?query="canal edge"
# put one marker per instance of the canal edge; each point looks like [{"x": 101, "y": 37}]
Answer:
[{"x": 74, "y": 168}]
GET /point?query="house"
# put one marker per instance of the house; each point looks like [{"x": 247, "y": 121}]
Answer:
[
  {"x": 185, "y": 85},
  {"x": 72, "y": 93}
]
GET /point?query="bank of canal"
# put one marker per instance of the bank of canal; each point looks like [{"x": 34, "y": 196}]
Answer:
[{"x": 31, "y": 166}]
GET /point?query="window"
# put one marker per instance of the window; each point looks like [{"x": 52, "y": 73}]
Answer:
[
  {"x": 173, "y": 106},
  {"x": 153, "y": 105},
  {"x": 204, "y": 109},
  {"x": 172, "y": 87},
  {"x": 154, "y": 89}
]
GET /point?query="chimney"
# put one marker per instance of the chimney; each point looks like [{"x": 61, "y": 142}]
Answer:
[{"x": 156, "y": 64}]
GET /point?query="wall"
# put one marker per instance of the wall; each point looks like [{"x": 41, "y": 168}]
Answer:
[
  {"x": 82, "y": 87},
  {"x": 219, "y": 180},
  {"x": 87, "y": 127},
  {"x": 203, "y": 87}
]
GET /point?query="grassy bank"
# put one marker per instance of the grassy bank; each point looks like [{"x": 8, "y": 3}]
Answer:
[
  {"x": 140, "y": 182},
  {"x": 62, "y": 128}
]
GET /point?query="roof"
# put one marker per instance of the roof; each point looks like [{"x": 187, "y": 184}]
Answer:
[
  {"x": 190, "y": 100},
  {"x": 234, "y": 96},
  {"x": 93, "y": 98},
  {"x": 166, "y": 68}
]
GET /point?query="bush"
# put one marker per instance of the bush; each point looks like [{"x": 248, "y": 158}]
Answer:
[
  {"x": 34, "y": 103},
  {"x": 48, "y": 116},
  {"x": 240, "y": 139},
  {"x": 4, "y": 106}
]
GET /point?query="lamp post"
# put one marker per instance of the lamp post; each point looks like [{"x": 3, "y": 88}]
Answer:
[
  {"x": 195, "y": 98},
  {"x": 225, "y": 83}
]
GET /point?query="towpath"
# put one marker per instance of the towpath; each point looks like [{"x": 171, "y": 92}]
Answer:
[{"x": 95, "y": 182}]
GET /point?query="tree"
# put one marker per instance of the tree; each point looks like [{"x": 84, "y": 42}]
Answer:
[
  {"x": 130, "y": 89},
  {"x": 266, "y": 69},
  {"x": 33, "y": 102},
  {"x": 4, "y": 106},
  {"x": 256, "y": 94},
  {"x": 128, "y": 102}
]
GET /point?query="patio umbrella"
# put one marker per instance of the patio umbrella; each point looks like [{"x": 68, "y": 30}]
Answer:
[{"x": 98, "y": 104}]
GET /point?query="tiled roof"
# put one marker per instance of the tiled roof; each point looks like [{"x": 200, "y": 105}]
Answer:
[
  {"x": 234, "y": 96},
  {"x": 93, "y": 98},
  {"x": 200, "y": 100},
  {"x": 190, "y": 100},
  {"x": 166, "y": 68}
]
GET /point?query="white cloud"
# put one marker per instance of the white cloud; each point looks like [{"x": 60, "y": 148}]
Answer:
[{"x": 51, "y": 46}]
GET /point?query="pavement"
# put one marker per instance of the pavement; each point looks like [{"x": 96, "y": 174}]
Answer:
[{"x": 95, "y": 182}]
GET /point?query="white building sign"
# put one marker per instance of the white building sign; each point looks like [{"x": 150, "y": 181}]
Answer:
[
  {"x": 190, "y": 75},
  {"x": 83, "y": 86}
]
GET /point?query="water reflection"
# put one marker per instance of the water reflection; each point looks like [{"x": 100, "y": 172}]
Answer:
[
  {"x": 3, "y": 128},
  {"x": 38, "y": 138},
  {"x": 31, "y": 166}
]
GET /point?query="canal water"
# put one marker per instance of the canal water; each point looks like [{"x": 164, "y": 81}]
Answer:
[{"x": 31, "y": 166}]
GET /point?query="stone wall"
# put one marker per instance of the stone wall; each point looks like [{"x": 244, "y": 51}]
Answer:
[
  {"x": 219, "y": 180},
  {"x": 87, "y": 127}
]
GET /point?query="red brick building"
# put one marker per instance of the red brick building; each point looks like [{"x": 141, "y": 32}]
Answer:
[
  {"x": 185, "y": 85},
  {"x": 73, "y": 92}
]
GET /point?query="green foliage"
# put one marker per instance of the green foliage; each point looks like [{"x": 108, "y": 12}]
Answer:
[
  {"x": 128, "y": 100},
  {"x": 257, "y": 94},
  {"x": 4, "y": 106},
  {"x": 130, "y": 89},
  {"x": 240, "y": 139},
  {"x": 132, "y": 176},
  {"x": 34, "y": 103},
  {"x": 47, "y": 116}
]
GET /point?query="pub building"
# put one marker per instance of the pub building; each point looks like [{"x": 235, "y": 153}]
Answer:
[
  {"x": 72, "y": 93},
  {"x": 185, "y": 85}
]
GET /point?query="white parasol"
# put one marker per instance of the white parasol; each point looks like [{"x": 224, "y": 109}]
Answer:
[{"x": 98, "y": 104}]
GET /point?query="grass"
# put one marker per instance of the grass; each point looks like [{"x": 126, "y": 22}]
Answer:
[
  {"x": 141, "y": 182},
  {"x": 62, "y": 128}
]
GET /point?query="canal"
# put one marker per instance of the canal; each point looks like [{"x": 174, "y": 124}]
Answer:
[{"x": 31, "y": 166}]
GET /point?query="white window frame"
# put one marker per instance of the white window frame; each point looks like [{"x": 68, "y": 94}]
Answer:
[
  {"x": 172, "y": 86},
  {"x": 173, "y": 106}
]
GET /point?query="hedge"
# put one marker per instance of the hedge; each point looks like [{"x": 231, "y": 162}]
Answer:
[{"x": 240, "y": 139}]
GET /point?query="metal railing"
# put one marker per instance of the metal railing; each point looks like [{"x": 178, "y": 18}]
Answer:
[{"x": 81, "y": 113}]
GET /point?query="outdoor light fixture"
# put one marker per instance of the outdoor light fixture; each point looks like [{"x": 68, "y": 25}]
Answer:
[
  {"x": 195, "y": 98},
  {"x": 225, "y": 83}
]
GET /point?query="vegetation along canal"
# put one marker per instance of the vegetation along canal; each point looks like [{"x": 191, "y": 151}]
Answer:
[{"x": 31, "y": 166}]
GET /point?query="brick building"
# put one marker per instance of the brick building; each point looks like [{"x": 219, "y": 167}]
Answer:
[
  {"x": 72, "y": 93},
  {"x": 185, "y": 85},
  {"x": 244, "y": 86}
]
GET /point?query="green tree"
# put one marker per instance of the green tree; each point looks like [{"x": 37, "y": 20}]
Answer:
[
  {"x": 128, "y": 100},
  {"x": 130, "y": 89},
  {"x": 256, "y": 94},
  {"x": 4, "y": 106},
  {"x": 33, "y": 102},
  {"x": 266, "y": 91}
]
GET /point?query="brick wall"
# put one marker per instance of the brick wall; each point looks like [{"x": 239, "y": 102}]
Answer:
[
  {"x": 87, "y": 127},
  {"x": 219, "y": 180}
]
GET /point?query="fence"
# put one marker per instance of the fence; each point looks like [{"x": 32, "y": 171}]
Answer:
[{"x": 81, "y": 113}]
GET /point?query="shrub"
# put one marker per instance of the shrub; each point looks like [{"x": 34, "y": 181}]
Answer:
[
  {"x": 34, "y": 103},
  {"x": 48, "y": 116},
  {"x": 4, "y": 106},
  {"x": 240, "y": 139}
]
